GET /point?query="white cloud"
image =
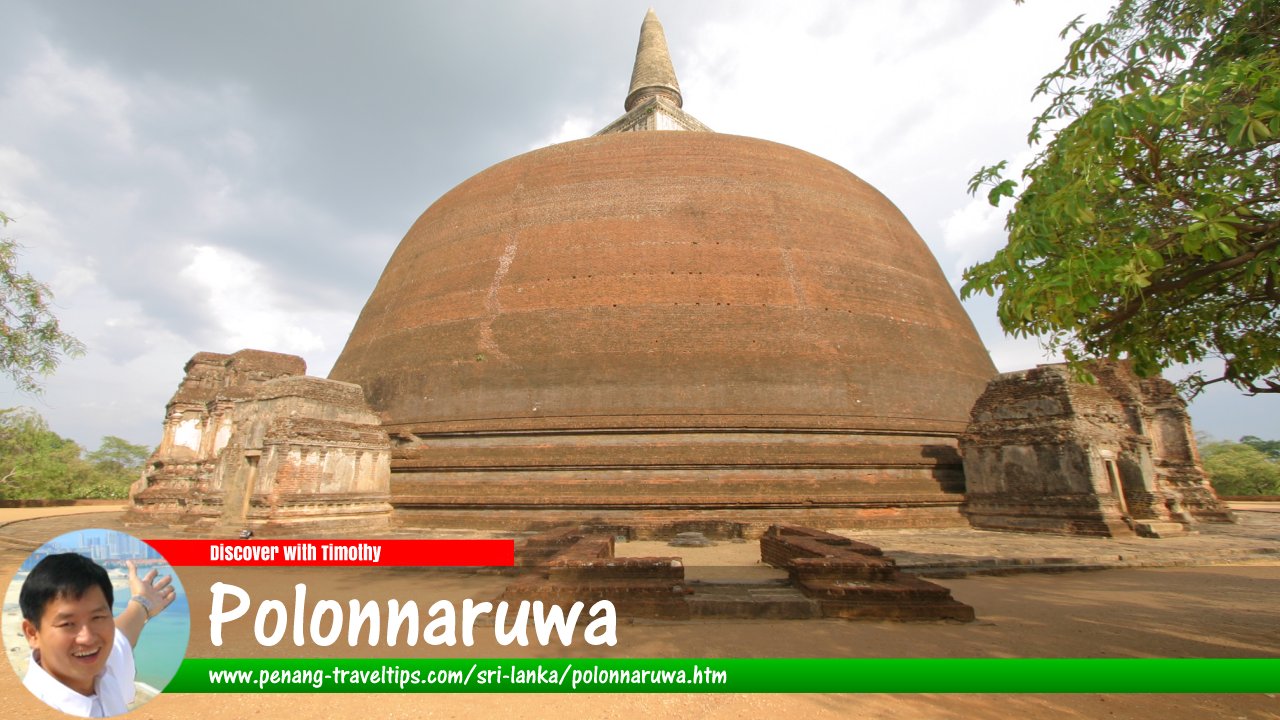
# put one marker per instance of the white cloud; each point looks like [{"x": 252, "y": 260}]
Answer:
[
  {"x": 237, "y": 292},
  {"x": 15, "y": 167},
  {"x": 574, "y": 127},
  {"x": 103, "y": 174},
  {"x": 71, "y": 279},
  {"x": 973, "y": 232},
  {"x": 1011, "y": 354},
  {"x": 54, "y": 90}
]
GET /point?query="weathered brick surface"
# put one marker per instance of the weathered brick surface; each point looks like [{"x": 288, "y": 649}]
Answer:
[
  {"x": 646, "y": 522},
  {"x": 1041, "y": 451},
  {"x": 567, "y": 565},
  {"x": 807, "y": 558},
  {"x": 904, "y": 589},
  {"x": 854, "y": 580},
  {"x": 838, "y": 578},
  {"x": 826, "y": 538},
  {"x": 249, "y": 442},
  {"x": 616, "y": 568},
  {"x": 585, "y": 549},
  {"x": 557, "y": 318}
]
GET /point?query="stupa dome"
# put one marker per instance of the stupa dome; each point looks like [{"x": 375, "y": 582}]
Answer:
[
  {"x": 662, "y": 328},
  {"x": 665, "y": 279}
]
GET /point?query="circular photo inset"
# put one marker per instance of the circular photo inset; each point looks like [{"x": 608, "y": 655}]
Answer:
[{"x": 95, "y": 623}]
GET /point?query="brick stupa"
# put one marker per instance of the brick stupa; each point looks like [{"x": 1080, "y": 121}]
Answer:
[{"x": 663, "y": 328}]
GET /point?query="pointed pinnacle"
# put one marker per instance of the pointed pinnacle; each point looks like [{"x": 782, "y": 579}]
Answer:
[{"x": 653, "y": 73}]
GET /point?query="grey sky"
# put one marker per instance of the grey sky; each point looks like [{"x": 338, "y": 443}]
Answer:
[{"x": 216, "y": 176}]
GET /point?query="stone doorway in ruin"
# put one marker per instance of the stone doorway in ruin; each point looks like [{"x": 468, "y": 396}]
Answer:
[
  {"x": 235, "y": 507},
  {"x": 1114, "y": 481}
]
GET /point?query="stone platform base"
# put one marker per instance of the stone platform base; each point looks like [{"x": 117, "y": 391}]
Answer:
[
  {"x": 656, "y": 522},
  {"x": 324, "y": 525},
  {"x": 829, "y": 577},
  {"x": 656, "y": 478},
  {"x": 1154, "y": 529},
  {"x": 1085, "y": 515}
]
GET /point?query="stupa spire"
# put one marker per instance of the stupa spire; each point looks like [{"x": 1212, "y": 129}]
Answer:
[
  {"x": 654, "y": 101},
  {"x": 653, "y": 73}
]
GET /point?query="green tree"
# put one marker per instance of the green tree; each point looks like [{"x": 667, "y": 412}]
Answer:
[
  {"x": 31, "y": 341},
  {"x": 1240, "y": 469},
  {"x": 36, "y": 462},
  {"x": 1148, "y": 227},
  {"x": 117, "y": 455},
  {"x": 1270, "y": 448}
]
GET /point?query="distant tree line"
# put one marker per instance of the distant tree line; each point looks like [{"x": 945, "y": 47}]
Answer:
[
  {"x": 37, "y": 463},
  {"x": 1248, "y": 467}
]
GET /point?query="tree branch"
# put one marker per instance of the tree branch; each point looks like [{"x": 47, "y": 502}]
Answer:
[{"x": 1133, "y": 306}]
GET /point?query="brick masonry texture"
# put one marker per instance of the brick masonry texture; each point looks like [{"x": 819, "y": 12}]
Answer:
[
  {"x": 250, "y": 442},
  {"x": 1045, "y": 452},
  {"x": 548, "y": 323},
  {"x": 839, "y": 577}
]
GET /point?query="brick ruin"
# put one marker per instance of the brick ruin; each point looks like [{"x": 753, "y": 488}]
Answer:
[
  {"x": 829, "y": 576},
  {"x": 251, "y": 442},
  {"x": 1047, "y": 453},
  {"x": 568, "y": 564}
]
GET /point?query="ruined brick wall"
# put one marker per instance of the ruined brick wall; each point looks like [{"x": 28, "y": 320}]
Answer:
[
  {"x": 855, "y": 580},
  {"x": 1175, "y": 457},
  {"x": 179, "y": 482},
  {"x": 1035, "y": 455},
  {"x": 249, "y": 441},
  {"x": 305, "y": 452},
  {"x": 1045, "y": 452},
  {"x": 568, "y": 565}
]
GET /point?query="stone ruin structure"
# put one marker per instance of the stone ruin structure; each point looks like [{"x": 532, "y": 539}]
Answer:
[
  {"x": 1048, "y": 453},
  {"x": 660, "y": 329},
  {"x": 828, "y": 576},
  {"x": 251, "y": 442}
]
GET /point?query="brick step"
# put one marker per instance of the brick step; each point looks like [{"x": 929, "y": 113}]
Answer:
[
  {"x": 905, "y": 589},
  {"x": 742, "y": 601},
  {"x": 626, "y": 568},
  {"x": 1156, "y": 529}
]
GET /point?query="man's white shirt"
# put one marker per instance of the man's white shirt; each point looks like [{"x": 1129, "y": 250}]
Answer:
[{"x": 113, "y": 687}]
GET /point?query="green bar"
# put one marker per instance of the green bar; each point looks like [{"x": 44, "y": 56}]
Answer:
[{"x": 736, "y": 675}]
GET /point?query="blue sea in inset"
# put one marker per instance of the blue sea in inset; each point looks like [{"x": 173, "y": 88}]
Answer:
[{"x": 163, "y": 642}]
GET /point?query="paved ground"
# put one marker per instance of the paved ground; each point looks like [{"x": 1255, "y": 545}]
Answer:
[
  {"x": 952, "y": 552},
  {"x": 8, "y": 515}
]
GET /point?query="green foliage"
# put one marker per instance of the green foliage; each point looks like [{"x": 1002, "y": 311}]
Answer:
[
  {"x": 1149, "y": 226},
  {"x": 36, "y": 462},
  {"x": 1270, "y": 448},
  {"x": 31, "y": 342},
  {"x": 1240, "y": 469},
  {"x": 116, "y": 455}
]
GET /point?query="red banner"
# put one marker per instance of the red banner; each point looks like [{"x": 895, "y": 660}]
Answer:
[{"x": 384, "y": 553}]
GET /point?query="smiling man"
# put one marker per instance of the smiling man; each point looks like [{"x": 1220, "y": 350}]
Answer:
[{"x": 82, "y": 657}]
